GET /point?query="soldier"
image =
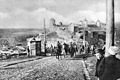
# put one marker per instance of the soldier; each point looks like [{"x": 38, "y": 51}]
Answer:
[
  {"x": 59, "y": 50},
  {"x": 72, "y": 50},
  {"x": 75, "y": 48}
]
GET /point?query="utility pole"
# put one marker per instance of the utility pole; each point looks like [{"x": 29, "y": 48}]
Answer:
[
  {"x": 84, "y": 35},
  {"x": 109, "y": 25},
  {"x": 44, "y": 37},
  {"x": 84, "y": 42}
]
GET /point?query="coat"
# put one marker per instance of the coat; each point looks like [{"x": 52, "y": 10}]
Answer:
[
  {"x": 109, "y": 68},
  {"x": 98, "y": 73},
  {"x": 59, "y": 48}
]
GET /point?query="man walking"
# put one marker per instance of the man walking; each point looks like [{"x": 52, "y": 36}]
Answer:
[{"x": 59, "y": 50}]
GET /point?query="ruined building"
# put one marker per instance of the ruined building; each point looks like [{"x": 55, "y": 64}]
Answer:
[{"x": 90, "y": 31}]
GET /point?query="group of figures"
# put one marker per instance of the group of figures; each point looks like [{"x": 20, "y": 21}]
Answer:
[
  {"x": 72, "y": 48},
  {"x": 63, "y": 49},
  {"x": 108, "y": 67},
  {"x": 66, "y": 49}
]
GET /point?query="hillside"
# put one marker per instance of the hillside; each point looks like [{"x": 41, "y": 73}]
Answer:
[
  {"x": 18, "y": 36},
  {"x": 10, "y": 32}
]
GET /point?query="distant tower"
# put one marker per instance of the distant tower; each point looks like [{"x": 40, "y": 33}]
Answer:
[
  {"x": 52, "y": 22},
  {"x": 98, "y": 23}
]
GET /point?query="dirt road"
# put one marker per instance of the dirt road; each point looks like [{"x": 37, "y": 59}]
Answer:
[{"x": 48, "y": 68}]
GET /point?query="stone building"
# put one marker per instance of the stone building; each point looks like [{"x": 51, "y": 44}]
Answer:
[{"x": 90, "y": 31}]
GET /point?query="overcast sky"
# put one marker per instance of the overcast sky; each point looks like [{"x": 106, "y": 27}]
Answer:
[{"x": 30, "y": 13}]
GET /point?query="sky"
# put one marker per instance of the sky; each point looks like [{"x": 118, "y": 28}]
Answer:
[{"x": 31, "y": 13}]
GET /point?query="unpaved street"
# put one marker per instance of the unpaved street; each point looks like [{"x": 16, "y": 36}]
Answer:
[{"x": 48, "y": 68}]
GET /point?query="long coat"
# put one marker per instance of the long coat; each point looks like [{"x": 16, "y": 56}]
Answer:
[
  {"x": 110, "y": 68},
  {"x": 59, "y": 49},
  {"x": 98, "y": 73}
]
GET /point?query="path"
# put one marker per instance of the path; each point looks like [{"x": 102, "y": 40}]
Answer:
[{"x": 48, "y": 68}]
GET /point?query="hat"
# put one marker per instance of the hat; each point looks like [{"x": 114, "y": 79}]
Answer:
[{"x": 113, "y": 50}]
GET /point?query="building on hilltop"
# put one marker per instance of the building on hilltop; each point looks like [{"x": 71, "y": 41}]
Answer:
[
  {"x": 94, "y": 32},
  {"x": 63, "y": 30}
]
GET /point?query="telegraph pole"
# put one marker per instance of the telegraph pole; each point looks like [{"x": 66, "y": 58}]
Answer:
[
  {"x": 44, "y": 37},
  {"x": 109, "y": 25},
  {"x": 84, "y": 42},
  {"x": 85, "y": 26}
]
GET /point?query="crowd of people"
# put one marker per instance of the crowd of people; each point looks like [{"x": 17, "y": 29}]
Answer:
[
  {"x": 72, "y": 48},
  {"x": 66, "y": 49},
  {"x": 107, "y": 68},
  {"x": 63, "y": 49}
]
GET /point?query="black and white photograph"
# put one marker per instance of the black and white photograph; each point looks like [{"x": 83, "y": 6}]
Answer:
[{"x": 59, "y": 39}]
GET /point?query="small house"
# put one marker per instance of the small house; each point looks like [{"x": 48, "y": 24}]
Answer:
[{"x": 34, "y": 47}]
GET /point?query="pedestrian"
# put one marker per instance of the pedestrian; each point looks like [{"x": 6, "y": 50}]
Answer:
[
  {"x": 88, "y": 49},
  {"x": 59, "y": 50},
  {"x": 75, "y": 48},
  {"x": 80, "y": 49},
  {"x": 72, "y": 50},
  {"x": 109, "y": 67},
  {"x": 99, "y": 55},
  {"x": 55, "y": 51},
  {"x": 66, "y": 48},
  {"x": 28, "y": 50},
  {"x": 63, "y": 50}
]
